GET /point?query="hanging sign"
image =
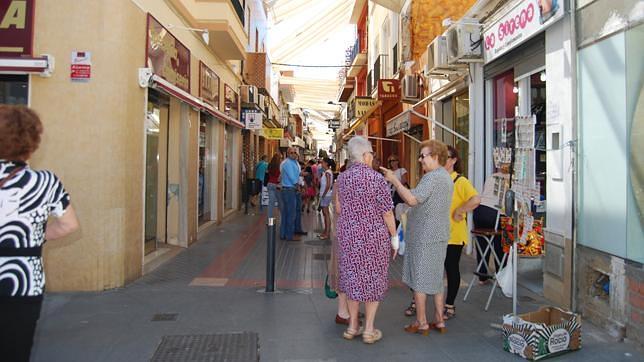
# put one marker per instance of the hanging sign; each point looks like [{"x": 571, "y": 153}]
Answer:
[
  {"x": 253, "y": 119},
  {"x": 16, "y": 27},
  {"x": 81, "y": 67},
  {"x": 208, "y": 85},
  {"x": 334, "y": 123},
  {"x": 398, "y": 124},
  {"x": 388, "y": 90},
  {"x": 167, "y": 57},
  {"x": 273, "y": 133},
  {"x": 523, "y": 21},
  {"x": 363, "y": 104}
]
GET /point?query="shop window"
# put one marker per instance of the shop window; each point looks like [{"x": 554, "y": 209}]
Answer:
[{"x": 14, "y": 89}]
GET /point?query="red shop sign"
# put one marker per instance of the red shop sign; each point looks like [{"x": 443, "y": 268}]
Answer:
[
  {"x": 388, "y": 89},
  {"x": 167, "y": 57},
  {"x": 16, "y": 27}
]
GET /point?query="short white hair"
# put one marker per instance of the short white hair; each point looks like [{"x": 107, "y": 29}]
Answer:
[{"x": 357, "y": 147}]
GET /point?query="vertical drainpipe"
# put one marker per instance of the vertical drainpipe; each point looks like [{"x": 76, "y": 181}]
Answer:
[{"x": 574, "y": 147}]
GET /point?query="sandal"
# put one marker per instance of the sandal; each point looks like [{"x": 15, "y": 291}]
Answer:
[
  {"x": 449, "y": 312},
  {"x": 435, "y": 326},
  {"x": 352, "y": 333},
  {"x": 411, "y": 310},
  {"x": 372, "y": 337},
  {"x": 415, "y": 328}
]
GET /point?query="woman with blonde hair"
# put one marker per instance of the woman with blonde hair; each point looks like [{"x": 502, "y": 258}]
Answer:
[{"x": 427, "y": 233}]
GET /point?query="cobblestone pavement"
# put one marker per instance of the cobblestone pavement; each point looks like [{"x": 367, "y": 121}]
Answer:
[{"x": 216, "y": 287}]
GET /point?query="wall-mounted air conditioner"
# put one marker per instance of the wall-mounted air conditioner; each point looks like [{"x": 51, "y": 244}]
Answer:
[
  {"x": 245, "y": 93},
  {"x": 437, "y": 56},
  {"x": 253, "y": 94},
  {"x": 410, "y": 89},
  {"x": 262, "y": 102},
  {"x": 464, "y": 43}
]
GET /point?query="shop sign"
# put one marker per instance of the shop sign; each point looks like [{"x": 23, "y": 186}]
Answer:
[
  {"x": 388, "y": 90},
  {"x": 166, "y": 56},
  {"x": 273, "y": 133},
  {"x": 334, "y": 123},
  {"x": 16, "y": 27},
  {"x": 208, "y": 85},
  {"x": 523, "y": 21},
  {"x": 363, "y": 104},
  {"x": 398, "y": 124},
  {"x": 253, "y": 119},
  {"x": 231, "y": 102},
  {"x": 81, "y": 67},
  {"x": 351, "y": 109}
]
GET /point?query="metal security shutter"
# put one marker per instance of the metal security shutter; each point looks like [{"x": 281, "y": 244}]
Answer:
[{"x": 532, "y": 52}]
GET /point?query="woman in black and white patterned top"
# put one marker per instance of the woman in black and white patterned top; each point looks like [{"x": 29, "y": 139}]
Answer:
[{"x": 27, "y": 199}]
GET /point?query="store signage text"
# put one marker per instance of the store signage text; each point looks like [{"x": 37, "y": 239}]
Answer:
[
  {"x": 273, "y": 133},
  {"x": 334, "y": 123},
  {"x": 253, "y": 119},
  {"x": 363, "y": 104},
  {"x": 398, "y": 124},
  {"x": 167, "y": 57},
  {"x": 16, "y": 27},
  {"x": 520, "y": 24},
  {"x": 208, "y": 85},
  {"x": 81, "y": 67},
  {"x": 388, "y": 89}
]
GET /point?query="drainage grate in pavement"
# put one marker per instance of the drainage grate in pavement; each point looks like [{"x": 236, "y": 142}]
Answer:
[
  {"x": 229, "y": 347},
  {"x": 318, "y": 256},
  {"x": 164, "y": 317}
]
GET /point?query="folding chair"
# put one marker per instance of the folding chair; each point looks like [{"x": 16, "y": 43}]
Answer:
[{"x": 488, "y": 235}]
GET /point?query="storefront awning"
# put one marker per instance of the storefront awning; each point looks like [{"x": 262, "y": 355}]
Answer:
[
  {"x": 43, "y": 65},
  {"x": 158, "y": 82},
  {"x": 361, "y": 120}
]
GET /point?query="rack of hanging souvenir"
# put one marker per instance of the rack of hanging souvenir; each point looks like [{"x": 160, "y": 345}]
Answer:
[{"x": 515, "y": 153}]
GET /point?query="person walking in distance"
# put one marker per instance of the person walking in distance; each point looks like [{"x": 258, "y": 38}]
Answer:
[
  {"x": 326, "y": 193},
  {"x": 290, "y": 174},
  {"x": 260, "y": 174},
  {"x": 28, "y": 200}
]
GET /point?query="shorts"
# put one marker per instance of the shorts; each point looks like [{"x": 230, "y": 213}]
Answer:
[{"x": 325, "y": 201}]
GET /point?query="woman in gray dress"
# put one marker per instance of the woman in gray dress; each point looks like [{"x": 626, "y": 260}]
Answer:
[{"x": 427, "y": 233}]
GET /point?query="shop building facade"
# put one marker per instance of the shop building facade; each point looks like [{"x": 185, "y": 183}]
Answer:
[{"x": 141, "y": 109}]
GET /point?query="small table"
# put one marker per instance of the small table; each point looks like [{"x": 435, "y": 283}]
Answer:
[{"x": 488, "y": 235}]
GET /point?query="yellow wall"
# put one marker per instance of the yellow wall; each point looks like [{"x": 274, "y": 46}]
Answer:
[
  {"x": 94, "y": 134},
  {"x": 93, "y": 139}
]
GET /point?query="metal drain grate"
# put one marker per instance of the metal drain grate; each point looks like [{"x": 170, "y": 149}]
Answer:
[
  {"x": 164, "y": 317},
  {"x": 318, "y": 256},
  {"x": 229, "y": 347}
]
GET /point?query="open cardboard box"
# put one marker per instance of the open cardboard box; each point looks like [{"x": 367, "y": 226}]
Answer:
[{"x": 547, "y": 332}]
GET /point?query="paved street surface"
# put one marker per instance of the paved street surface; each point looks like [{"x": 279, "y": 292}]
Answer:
[{"x": 214, "y": 287}]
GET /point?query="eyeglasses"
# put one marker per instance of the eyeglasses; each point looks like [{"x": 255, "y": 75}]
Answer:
[
  {"x": 422, "y": 156},
  {"x": 393, "y": 161}
]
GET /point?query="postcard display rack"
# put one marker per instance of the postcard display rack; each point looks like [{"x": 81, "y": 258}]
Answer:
[{"x": 515, "y": 153}]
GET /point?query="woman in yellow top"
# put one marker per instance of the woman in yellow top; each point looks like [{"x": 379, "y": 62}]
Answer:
[{"x": 464, "y": 200}]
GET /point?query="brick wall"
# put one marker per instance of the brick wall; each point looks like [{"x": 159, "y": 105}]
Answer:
[{"x": 635, "y": 302}]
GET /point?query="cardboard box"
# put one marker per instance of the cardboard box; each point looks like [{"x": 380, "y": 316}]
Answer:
[{"x": 545, "y": 333}]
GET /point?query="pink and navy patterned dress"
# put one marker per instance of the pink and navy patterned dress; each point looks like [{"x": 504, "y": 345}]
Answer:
[{"x": 363, "y": 239}]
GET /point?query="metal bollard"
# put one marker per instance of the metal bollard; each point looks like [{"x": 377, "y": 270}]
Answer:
[{"x": 270, "y": 255}]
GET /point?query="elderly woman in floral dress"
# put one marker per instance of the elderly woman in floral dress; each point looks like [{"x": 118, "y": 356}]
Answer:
[{"x": 366, "y": 236}]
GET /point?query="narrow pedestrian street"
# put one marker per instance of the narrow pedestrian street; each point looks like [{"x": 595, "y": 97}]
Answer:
[{"x": 216, "y": 287}]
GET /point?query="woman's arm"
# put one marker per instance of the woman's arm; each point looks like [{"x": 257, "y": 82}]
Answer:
[
  {"x": 403, "y": 191},
  {"x": 390, "y": 221},
  {"x": 336, "y": 202},
  {"x": 469, "y": 205},
  {"x": 62, "y": 226},
  {"x": 328, "y": 184}
]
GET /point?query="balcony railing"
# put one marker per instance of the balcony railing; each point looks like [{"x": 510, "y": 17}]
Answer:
[{"x": 239, "y": 9}]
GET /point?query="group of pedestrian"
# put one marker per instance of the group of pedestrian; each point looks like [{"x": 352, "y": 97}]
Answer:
[{"x": 367, "y": 239}]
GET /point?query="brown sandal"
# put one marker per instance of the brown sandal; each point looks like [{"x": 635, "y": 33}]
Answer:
[
  {"x": 440, "y": 330},
  {"x": 415, "y": 328},
  {"x": 411, "y": 310}
]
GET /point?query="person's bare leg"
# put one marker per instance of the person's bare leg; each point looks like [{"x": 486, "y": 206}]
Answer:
[
  {"x": 421, "y": 308},
  {"x": 343, "y": 306},
  {"x": 327, "y": 222},
  {"x": 370, "y": 315},
  {"x": 438, "y": 310},
  {"x": 354, "y": 309}
]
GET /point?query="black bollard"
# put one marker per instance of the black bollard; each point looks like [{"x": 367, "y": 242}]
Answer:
[{"x": 270, "y": 255}]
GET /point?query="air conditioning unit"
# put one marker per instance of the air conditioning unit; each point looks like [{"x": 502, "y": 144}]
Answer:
[
  {"x": 437, "y": 56},
  {"x": 245, "y": 93},
  {"x": 253, "y": 94},
  {"x": 262, "y": 101},
  {"x": 410, "y": 89},
  {"x": 464, "y": 43}
]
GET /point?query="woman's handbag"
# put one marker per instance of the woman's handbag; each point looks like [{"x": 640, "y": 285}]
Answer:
[{"x": 330, "y": 293}]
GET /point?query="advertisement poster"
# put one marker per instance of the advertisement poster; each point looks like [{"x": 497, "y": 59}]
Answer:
[{"x": 81, "y": 67}]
